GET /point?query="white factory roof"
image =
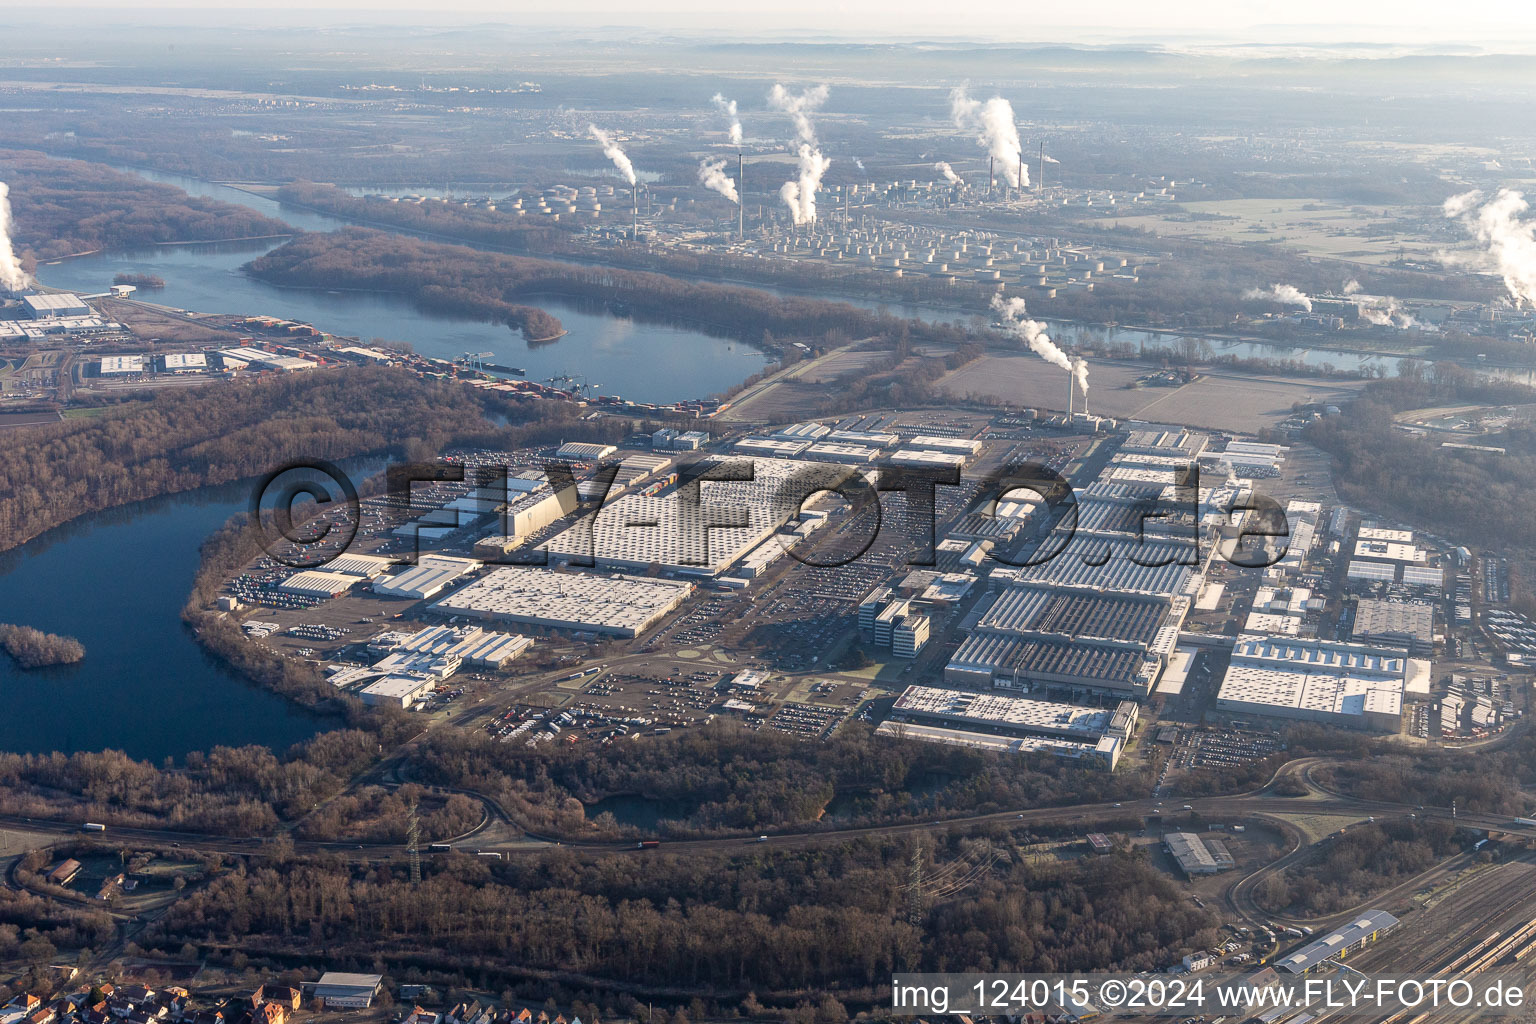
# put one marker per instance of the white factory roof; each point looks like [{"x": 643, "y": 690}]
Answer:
[
  {"x": 803, "y": 432},
  {"x": 1384, "y": 572},
  {"x": 869, "y": 437},
  {"x": 777, "y": 447},
  {"x": 991, "y": 709},
  {"x": 832, "y": 451},
  {"x": 1389, "y": 551},
  {"x": 916, "y": 457},
  {"x": 53, "y": 303},
  {"x": 425, "y": 579},
  {"x": 1381, "y": 533},
  {"x": 121, "y": 364},
  {"x": 398, "y": 689},
  {"x": 961, "y": 445},
  {"x": 359, "y": 565},
  {"x": 584, "y": 450},
  {"x": 625, "y": 605},
  {"x": 1320, "y": 677},
  {"x": 318, "y": 583},
  {"x": 186, "y": 361},
  {"x": 731, "y": 518},
  {"x": 1423, "y": 576}
]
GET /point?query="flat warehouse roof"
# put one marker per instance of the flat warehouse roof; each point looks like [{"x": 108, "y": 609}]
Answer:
[
  {"x": 624, "y": 605},
  {"x": 1022, "y": 713},
  {"x": 1041, "y": 610}
]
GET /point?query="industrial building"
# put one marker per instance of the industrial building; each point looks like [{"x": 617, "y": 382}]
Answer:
[
  {"x": 1339, "y": 943},
  {"x": 1196, "y": 856},
  {"x": 772, "y": 447},
  {"x": 397, "y": 691},
  {"x": 928, "y": 712},
  {"x": 340, "y": 991},
  {"x": 1406, "y": 624},
  {"x": 614, "y": 605},
  {"x": 1034, "y": 636},
  {"x": 583, "y": 451},
  {"x": 49, "y": 307},
  {"x": 426, "y": 578},
  {"x": 703, "y": 538},
  {"x": 185, "y": 362},
  {"x": 114, "y": 366},
  {"x": 319, "y": 583},
  {"x": 1340, "y": 684},
  {"x": 242, "y": 357}
]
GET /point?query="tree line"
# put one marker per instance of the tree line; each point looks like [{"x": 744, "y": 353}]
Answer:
[{"x": 63, "y": 207}]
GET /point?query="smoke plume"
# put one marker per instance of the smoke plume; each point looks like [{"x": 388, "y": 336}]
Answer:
[
  {"x": 858, "y": 163},
  {"x": 800, "y": 194},
  {"x": 948, "y": 172},
  {"x": 1509, "y": 242},
  {"x": 728, "y": 108},
  {"x": 612, "y": 151},
  {"x": 1351, "y": 287},
  {"x": 1284, "y": 294},
  {"x": 1049, "y": 159},
  {"x": 712, "y": 176},
  {"x": 12, "y": 277},
  {"x": 993, "y": 124},
  {"x": 1032, "y": 333}
]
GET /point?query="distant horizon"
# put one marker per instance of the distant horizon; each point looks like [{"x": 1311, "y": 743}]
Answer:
[{"x": 1484, "y": 26}]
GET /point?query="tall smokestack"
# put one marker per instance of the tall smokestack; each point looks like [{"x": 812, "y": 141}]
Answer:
[
  {"x": 1040, "y": 184},
  {"x": 991, "y": 175},
  {"x": 1069, "y": 397},
  {"x": 741, "y": 206},
  {"x": 634, "y": 205}
]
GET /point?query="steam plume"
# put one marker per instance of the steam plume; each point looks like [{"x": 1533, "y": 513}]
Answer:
[
  {"x": 995, "y": 130},
  {"x": 1032, "y": 333},
  {"x": 1048, "y": 159},
  {"x": 612, "y": 151},
  {"x": 1351, "y": 287},
  {"x": 728, "y": 108},
  {"x": 12, "y": 277},
  {"x": 712, "y": 176},
  {"x": 1284, "y": 294},
  {"x": 1508, "y": 240},
  {"x": 948, "y": 172},
  {"x": 858, "y": 163},
  {"x": 800, "y": 195}
]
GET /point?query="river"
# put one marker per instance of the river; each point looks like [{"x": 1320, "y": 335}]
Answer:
[
  {"x": 117, "y": 580},
  {"x": 644, "y": 362}
]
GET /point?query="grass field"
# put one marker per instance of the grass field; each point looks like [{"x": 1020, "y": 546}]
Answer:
[
  {"x": 1312, "y": 226},
  {"x": 1221, "y": 401}
]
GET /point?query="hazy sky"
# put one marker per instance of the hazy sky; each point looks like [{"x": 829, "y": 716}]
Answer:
[{"x": 1492, "y": 24}]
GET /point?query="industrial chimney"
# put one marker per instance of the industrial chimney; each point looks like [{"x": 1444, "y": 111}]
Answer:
[
  {"x": 634, "y": 203},
  {"x": 1069, "y": 397},
  {"x": 991, "y": 176},
  {"x": 741, "y": 200},
  {"x": 1040, "y": 183}
]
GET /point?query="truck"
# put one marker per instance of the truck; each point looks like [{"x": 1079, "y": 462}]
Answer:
[
  {"x": 647, "y": 844},
  {"x": 93, "y": 826}
]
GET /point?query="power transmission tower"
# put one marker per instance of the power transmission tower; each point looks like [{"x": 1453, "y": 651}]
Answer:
[
  {"x": 915, "y": 887},
  {"x": 413, "y": 845}
]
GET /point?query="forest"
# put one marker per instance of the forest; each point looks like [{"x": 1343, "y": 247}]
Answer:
[
  {"x": 32, "y": 648},
  {"x": 742, "y": 930},
  {"x": 1349, "y": 869},
  {"x": 1479, "y": 498},
  {"x": 64, "y": 207},
  {"x": 721, "y": 780},
  {"x": 184, "y": 439},
  {"x": 458, "y": 280}
]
